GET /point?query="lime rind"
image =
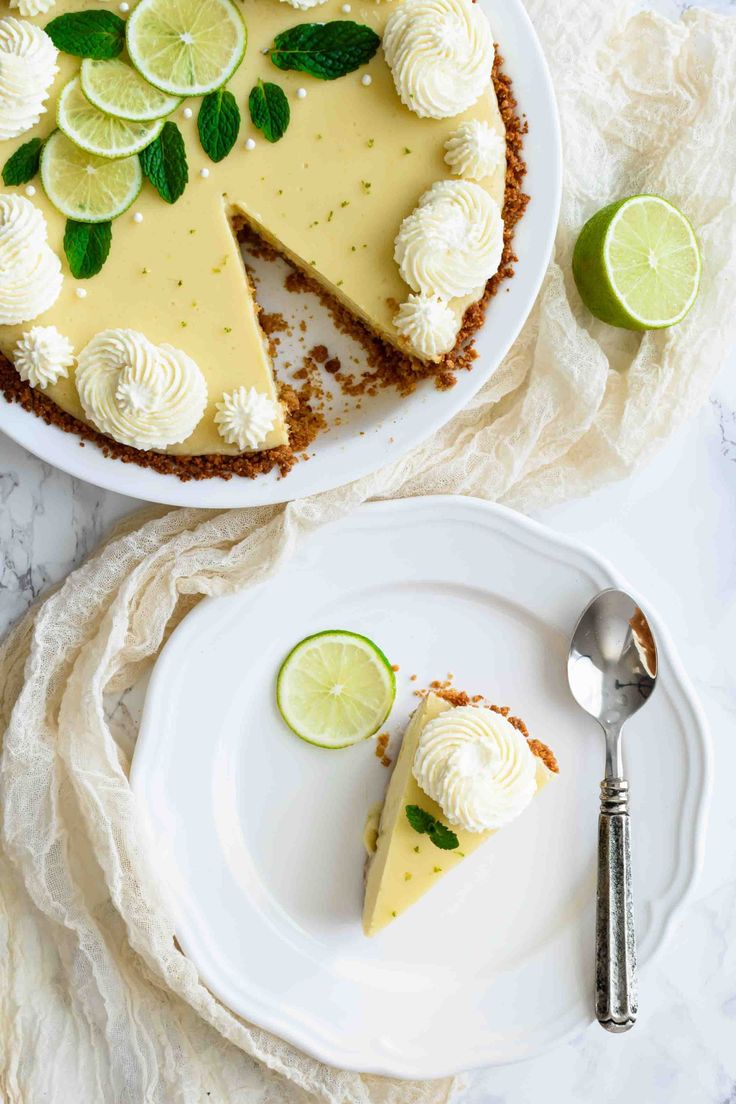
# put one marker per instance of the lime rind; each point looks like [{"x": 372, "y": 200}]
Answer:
[
  {"x": 309, "y": 676},
  {"x": 98, "y": 133},
  {"x": 186, "y": 47},
  {"x": 84, "y": 187},
  {"x": 118, "y": 89}
]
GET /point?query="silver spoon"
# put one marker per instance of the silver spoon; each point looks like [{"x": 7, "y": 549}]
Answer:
[{"x": 612, "y": 670}]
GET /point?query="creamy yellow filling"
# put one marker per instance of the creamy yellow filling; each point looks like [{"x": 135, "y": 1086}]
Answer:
[{"x": 331, "y": 194}]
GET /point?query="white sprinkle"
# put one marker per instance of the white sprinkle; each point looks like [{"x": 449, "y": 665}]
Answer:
[
  {"x": 137, "y": 217},
  {"x": 204, "y": 173},
  {"x": 250, "y": 144},
  {"x": 124, "y": 7},
  {"x": 301, "y": 93},
  {"x": 81, "y": 293},
  {"x": 346, "y": 8},
  {"x": 30, "y": 190},
  {"x": 187, "y": 112},
  {"x": 366, "y": 79}
]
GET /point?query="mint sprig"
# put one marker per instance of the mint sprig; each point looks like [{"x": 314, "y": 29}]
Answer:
[
  {"x": 218, "y": 123},
  {"x": 88, "y": 34},
  {"x": 86, "y": 245},
  {"x": 326, "y": 50},
  {"x": 22, "y": 165},
  {"x": 426, "y": 824},
  {"x": 164, "y": 163},
  {"x": 269, "y": 110}
]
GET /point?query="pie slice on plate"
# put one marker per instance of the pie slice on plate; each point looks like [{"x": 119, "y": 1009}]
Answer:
[{"x": 474, "y": 739}]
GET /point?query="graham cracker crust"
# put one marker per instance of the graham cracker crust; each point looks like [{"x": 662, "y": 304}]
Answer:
[{"x": 386, "y": 366}]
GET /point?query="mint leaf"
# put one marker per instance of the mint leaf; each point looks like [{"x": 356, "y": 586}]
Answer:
[
  {"x": 326, "y": 50},
  {"x": 22, "y": 165},
  {"x": 90, "y": 34},
  {"x": 420, "y": 820},
  {"x": 269, "y": 110},
  {"x": 443, "y": 837},
  {"x": 426, "y": 824},
  {"x": 86, "y": 245},
  {"x": 218, "y": 123},
  {"x": 164, "y": 162}
]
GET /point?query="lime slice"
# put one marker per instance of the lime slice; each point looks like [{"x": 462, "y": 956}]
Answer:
[
  {"x": 119, "y": 90},
  {"x": 84, "y": 187},
  {"x": 94, "y": 131},
  {"x": 186, "y": 47},
  {"x": 637, "y": 264},
  {"x": 335, "y": 689}
]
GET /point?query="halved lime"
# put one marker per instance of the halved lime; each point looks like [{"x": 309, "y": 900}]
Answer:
[
  {"x": 84, "y": 187},
  {"x": 94, "y": 131},
  {"x": 186, "y": 47},
  {"x": 118, "y": 89},
  {"x": 637, "y": 264},
  {"x": 335, "y": 688}
]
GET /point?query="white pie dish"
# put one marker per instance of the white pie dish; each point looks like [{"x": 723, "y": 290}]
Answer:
[
  {"x": 257, "y": 836},
  {"x": 387, "y": 426}
]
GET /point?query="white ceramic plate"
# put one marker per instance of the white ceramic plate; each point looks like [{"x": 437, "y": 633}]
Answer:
[
  {"x": 257, "y": 835},
  {"x": 384, "y": 428}
]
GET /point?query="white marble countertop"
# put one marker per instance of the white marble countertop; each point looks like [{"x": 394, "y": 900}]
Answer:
[{"x": 671, "y": 530}]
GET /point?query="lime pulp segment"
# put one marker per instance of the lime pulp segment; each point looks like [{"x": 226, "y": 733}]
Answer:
[
  {"x": 96, "y": 132},
  {"x": 186, "y": 47},
  {"x": 85, "y": 187},
  {"x": 335, "y": 688},
  {"x": 653, "y": 261},
  {"x": 118, "y": 89}
]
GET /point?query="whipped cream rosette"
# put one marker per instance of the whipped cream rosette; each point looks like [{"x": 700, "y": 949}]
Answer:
[
  {"x": 144, "y": 395},
  {"x": 30, "y": 271},
  {"x": 477, "y": 767},
  {"x": 245, "y": 417},
  {"x": 27, "y": 71},
  {"x": 429, "y": 325},
  {"x": 43, "y": 356},
  {"x": 452, "y": 243},
  {"x": 475, "y": 150},
  {"x": 440, "y": 53},
  {"x": 29, "y": 8}
]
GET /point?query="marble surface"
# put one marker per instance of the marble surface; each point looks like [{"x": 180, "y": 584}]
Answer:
[{"x": 671, "y": 530}]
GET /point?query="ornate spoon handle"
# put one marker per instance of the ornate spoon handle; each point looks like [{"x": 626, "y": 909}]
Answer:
[{"x": 616, "y": 999}]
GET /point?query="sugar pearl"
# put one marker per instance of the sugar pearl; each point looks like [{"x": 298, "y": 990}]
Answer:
[
  {"x": 301, "y": 93},
  {"x": 250, "y": 144},
  {"x": 124, "y": 7},
  {"x": 366, "y": 79},
  {"x": 137, "y": 217},
  {"x": 204, "y": 173},
  {"x": 187, "y": 112},
  {"x": 30, "y": 190},
  {"x": 81, "y": 293},
  {"x": 346, "y": 8}
]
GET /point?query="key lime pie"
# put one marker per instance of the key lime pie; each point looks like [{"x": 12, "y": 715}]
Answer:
[
  {"x": 465, "y": 770},
  {"x": 373, "y": 145}
]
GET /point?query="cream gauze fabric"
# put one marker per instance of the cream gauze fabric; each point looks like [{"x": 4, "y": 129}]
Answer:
[{"x": 97, "y": 1004}]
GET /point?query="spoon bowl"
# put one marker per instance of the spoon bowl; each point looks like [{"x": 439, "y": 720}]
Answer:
[{"x": 612, "y": 664}]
